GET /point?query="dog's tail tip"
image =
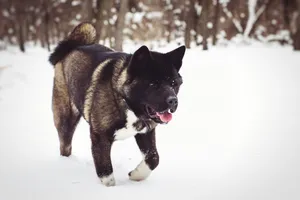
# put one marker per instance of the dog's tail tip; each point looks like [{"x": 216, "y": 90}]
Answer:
[{"x": 83, "y": 34}]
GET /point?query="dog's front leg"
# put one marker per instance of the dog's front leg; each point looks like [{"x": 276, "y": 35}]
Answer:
[
  {"x": 101, "y": 149},
  {"x": 147, "y": 144}
]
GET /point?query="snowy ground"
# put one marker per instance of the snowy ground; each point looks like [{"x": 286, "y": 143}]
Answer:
[{"x": 236, "y": 134}]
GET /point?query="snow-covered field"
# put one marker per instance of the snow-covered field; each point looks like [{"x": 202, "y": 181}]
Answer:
[{"x": 236, "y": 134}]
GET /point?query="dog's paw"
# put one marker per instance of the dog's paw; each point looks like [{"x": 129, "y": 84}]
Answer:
[
  {"x": 140, "y": 173},
  {"x": 65, "y": 150},
  {"x": 108, "y": 180}
]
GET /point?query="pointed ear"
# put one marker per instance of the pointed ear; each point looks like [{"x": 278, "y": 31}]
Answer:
[
  {"x": 139, "y": 59},
  {"x": 141, "y": 54},
  {"x": 176, "y": 56}
]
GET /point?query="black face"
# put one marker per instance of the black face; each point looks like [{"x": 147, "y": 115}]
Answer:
[{"x": 154, "y": 82}]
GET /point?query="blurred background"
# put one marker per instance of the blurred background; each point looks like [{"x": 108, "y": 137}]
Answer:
[
  {"x": 190, "y": 22},
  {"x": 235, "y": 135}
]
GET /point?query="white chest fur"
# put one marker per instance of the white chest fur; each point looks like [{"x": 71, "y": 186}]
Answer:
[{"x": 129, "y": 130}]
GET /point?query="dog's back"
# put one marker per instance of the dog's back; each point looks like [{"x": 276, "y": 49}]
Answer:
[{"x": 79, "y": 62}]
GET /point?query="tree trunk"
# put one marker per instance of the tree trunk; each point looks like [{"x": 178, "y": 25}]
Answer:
[
  {"x": 286, "y": 17},
  {"x": 216, "y": 22},
  {"x": 170, "y": 26},
  {"x": 189, "y": 12},
  {"x": 47, "y": 38},
  {"x": 255, "y": 14},
  {"x": 197, "y": 24},
  {"x": 120, "y": 25},
  {"x": 87, "y": 10},
  {"x": 21, "y": 38},
  {"x": 296, "y": 35},
  {"x": 102, "y": 17},
  {"x": 20, "y": 25},
  {"x": 205, "y": 7},
  {"x": 231, "y": 13},
  {"x": 41, "y": 36},
  {"x": 168, "y": 21}
]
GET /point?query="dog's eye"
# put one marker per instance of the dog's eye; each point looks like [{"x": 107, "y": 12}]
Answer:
[
  {"x": 154, "y": 83},
  {"x": 173, "y": 83}
]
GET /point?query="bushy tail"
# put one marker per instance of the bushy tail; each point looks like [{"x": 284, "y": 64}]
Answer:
[{"x": 82, "y": 34}]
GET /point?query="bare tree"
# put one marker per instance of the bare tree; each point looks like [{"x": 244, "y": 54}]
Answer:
[
  {"x": 104, "y": 8},
  {"x": 204, "y": 21},
  {"x": 46, "y": 22},
  {"x": 296, "y": 33},
  {"x": 189, "y": 13},
  {"x": 256, "y": 9},
  {"x": 168, "y": 19},
  {"x": 20, "y": 23},
  {"x": 87, "y": 10},
  {"x": 231, "y": 11},
  {"x": 120, "y": 25},
  {"x": 216, "y": 21}
]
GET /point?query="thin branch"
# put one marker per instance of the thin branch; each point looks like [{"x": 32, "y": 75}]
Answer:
[
  {"x": 236, "y": 23},
  {"x": 254, "y": 18}
]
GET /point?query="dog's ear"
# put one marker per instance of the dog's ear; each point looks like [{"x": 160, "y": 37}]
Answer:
[
  {"x": 141, "y": 55},
  {"x": 176, "y": 56},
  {"x": 139, "y": 59}
]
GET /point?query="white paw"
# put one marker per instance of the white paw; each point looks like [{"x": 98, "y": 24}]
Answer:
[
  {"x": 108, "y": 180},
  {"x": 141, "y": 172}
]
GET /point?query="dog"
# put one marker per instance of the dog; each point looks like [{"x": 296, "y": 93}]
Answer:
[{"x": 118, "y": 94}]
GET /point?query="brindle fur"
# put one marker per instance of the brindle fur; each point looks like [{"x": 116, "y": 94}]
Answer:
[{"x": 95, "y": 82}]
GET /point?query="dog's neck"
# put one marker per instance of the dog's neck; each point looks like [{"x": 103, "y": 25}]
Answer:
[
  {"x": 121, "y": 73},
  {"x": 149, "y": 123}
]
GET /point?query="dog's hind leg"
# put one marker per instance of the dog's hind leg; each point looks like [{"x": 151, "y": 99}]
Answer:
[{"x": 65, "y": 114}]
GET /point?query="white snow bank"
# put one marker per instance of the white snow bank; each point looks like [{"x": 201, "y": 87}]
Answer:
[{"x": 235, "y": 135}]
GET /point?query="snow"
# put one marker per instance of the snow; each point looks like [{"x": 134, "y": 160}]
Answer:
[
  {"x": 224, "y": 2},
  {"x": 78, "y": 16},
  {"x": 281, "y": 35},
  {"x": 5, "y": 13},
  {"x": 76, "y": 3},
  {"x": 198, "y": 8},
  {"x": 113, "y": 19},
  {"x": 154, "y": 15},
  {"x": 143, "y": 6},
  {"x": 56, "y": 19},
  {"x": 136, "y": 17},
  {"x": 222, "y": 19},
  {"x": 177, "y": 22},
  {"x": 210, "y": 25},
  {"x": 177, "y": 11},
  {"x": 235, "y": 134},
  {"x": 113, "y": 10}
]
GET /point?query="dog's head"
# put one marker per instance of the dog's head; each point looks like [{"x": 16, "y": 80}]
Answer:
[{"x": 153, "y": 82}]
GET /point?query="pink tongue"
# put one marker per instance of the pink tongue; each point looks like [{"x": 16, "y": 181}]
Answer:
[{"x": 165, "y": 117}]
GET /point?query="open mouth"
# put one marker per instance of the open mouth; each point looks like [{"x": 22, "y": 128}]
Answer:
[{"x": 163, "y": 116}]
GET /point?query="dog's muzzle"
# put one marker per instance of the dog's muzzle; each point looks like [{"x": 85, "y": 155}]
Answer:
[{"x": 172, "y": 102}]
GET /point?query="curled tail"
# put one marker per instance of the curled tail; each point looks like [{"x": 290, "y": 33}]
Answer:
[{"x": 82, "y": 34}]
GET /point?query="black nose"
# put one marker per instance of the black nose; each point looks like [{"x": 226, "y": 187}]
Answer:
[{"x": 172, "y": 102}]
